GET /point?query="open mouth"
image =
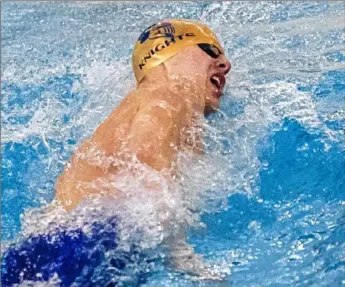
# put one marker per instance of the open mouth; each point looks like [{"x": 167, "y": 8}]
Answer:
[{"x": 218, "y": 81}]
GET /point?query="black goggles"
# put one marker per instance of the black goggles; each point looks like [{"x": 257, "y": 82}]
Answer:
[{"x": 210, "y": 50}]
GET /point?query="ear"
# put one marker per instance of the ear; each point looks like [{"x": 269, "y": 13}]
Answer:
[
  {"x": 169, "y": 65},
  {"x": 165, "y": 67}
]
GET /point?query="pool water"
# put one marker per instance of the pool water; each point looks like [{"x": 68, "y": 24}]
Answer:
[{"x": 271, "y": 200}]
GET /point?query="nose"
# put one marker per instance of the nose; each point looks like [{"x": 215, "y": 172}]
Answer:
[{"x": 224, "y": 64}]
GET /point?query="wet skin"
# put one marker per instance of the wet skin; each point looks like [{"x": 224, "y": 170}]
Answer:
[{"x": 152, "y": 122}]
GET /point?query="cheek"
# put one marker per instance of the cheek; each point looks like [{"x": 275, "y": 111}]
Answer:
[{"x": 202, "y": 62}]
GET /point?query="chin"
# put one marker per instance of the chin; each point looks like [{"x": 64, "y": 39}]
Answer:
[
  {"x": 212, "y": 105},
  {"x": 210, "y": 109}
]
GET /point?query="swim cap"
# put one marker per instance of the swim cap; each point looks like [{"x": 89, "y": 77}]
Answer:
[{"x": 165, "y": 39}]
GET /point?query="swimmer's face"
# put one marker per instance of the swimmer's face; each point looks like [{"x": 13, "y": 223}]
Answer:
[
  {"x": 217, "y": 67},
  {"x": 206, "y": 70}
]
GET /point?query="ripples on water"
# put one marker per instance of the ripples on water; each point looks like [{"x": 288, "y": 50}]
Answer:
[{"x": 270, "y": 192}]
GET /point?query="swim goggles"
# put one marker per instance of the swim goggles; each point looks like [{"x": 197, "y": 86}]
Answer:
[{"x": 210, "y": 50}]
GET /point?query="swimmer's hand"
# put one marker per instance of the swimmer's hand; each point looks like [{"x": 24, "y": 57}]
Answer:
[{"x": 185, "y": 260}]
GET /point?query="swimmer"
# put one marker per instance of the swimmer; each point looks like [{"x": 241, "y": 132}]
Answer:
[{"x": 180, "y": 70}]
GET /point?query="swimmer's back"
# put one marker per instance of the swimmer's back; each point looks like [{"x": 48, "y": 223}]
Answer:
[
  {"x": 87, "y": 164},
  {"x": 90, "y": 164}
]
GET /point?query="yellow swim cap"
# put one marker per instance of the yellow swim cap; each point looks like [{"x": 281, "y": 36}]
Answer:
[{"x": 165, "y": 39}]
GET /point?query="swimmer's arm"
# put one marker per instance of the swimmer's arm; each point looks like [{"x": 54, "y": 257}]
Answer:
[
  {"x": 154, "y": 133},
  {"x": 153, "y": 136}
]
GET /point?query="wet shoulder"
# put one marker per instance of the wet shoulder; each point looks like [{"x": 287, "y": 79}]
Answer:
[{"x": 114, "y": 129}]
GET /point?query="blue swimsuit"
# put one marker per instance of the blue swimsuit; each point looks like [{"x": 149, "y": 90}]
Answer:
[{"x": 76, "y": 257}]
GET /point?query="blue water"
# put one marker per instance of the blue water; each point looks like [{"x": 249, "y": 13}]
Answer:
[{"x": 65, "y": 66}]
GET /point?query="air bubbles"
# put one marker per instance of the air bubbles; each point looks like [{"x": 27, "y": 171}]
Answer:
[{"x": 254, "y": 225}]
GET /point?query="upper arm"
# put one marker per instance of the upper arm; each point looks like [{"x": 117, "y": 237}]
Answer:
[{"x": 154, "y": 133}]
